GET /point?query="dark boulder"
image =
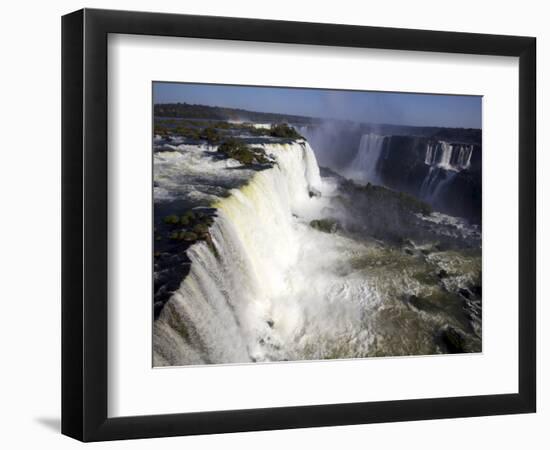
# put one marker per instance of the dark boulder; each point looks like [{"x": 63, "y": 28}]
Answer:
[{"x": 451, "y": 340}]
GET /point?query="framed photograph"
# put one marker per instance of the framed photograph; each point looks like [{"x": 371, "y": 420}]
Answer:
[{"x": 273, "y": 224}]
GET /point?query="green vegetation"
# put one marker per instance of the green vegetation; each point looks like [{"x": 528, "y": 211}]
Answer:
[
  {"x": 187, "y": 218},
  {"x": 238, "y": 150},
  {"x": 172, "y": 219},
  {"x": 186, "y": 110},
  {"x": 161, "y": 130},
  {"x": 214, "y": 132},
  {"x": 210, "y": 134},
  {"x": 283, "y": 130},
  {"x": 401, "y": 200},
  {"x": 190, "y": 226},
  {"x": 200, "y": 228},
  {"x": 184, "y": 236}
]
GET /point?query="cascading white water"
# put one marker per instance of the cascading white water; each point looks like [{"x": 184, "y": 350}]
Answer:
[
  {"x": 273, "y": 288},
  {"x": 445, "y": 161},
  {"x": 449, "y": 156},
  {"x": 363, "y": 166},
  {"x": 254, "y": 293}
]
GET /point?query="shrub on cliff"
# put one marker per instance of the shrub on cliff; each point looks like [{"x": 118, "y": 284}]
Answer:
[
  {"x": 283, "y": 130},
  {"x": 238, "y": 150}
]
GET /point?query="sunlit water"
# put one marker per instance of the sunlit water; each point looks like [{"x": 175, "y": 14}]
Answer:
[{"x": 275, "y": 289}]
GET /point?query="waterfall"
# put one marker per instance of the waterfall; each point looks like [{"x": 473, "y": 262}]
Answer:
[
  {"x": 268, "y": 286},
  {"x": 449, "y": 156},
  {"x": 226, "y": 307},
  {"x": 435, "y": 182},
  {"x": 445, "y": 160},
  {"x": 363, "y": 166}
]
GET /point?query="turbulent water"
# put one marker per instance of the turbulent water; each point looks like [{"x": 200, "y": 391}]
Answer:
[{"x": 271, "y": 287}]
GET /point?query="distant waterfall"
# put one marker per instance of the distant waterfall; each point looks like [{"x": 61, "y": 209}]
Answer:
[
  {"x": 449, "y": 156},
  {"x": 363, "y": 166},
  {"x": 445, "y": 161}
]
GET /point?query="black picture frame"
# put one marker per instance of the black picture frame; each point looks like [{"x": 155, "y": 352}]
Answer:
[{"x": 84, "y": 224}]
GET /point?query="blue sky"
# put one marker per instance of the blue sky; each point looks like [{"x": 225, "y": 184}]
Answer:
[{"x": 360, "y": 106}]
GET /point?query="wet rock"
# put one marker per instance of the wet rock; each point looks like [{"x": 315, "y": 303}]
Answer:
[
  {"x": 157, "y": 308},
  {"x": 314, "y": 193},
  {"x": 476, "y": 290},
  {"x": 451, "y": 340},
  {"x": 442, "y": 274},
  {"x": 418, "y": 303},
  {"x": 325, "y": 225}
]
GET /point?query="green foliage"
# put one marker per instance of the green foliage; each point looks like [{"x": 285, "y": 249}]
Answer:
[
  {"x": 172, "y": 219},
  {"x": 187, "y": 132},
  {"x": 400, "y": 199},
  {"x": 183, "y": 236},
  {"x": 223, "y": 125},
  {"x": 190, "y": 226},
  {"x": 186, "y": 110},
  {"x": 210, "y": 134},
  {"x": 200, "y": 228},
  {"x": 283, "y": 130},
  {"x": 238, "y": 150},
  {"x": 214, "y": 131},
  {"x": 160, "y": 130},
  {"x": 187, "y": 218}
]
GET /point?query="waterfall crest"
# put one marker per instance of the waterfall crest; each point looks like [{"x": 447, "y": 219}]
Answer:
[
  {"x": 449, "y": 156},
  {"x": 445, "y": 161},
  {"x": 269, "y": 286},
  {"x": 223, "y": 306}
]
